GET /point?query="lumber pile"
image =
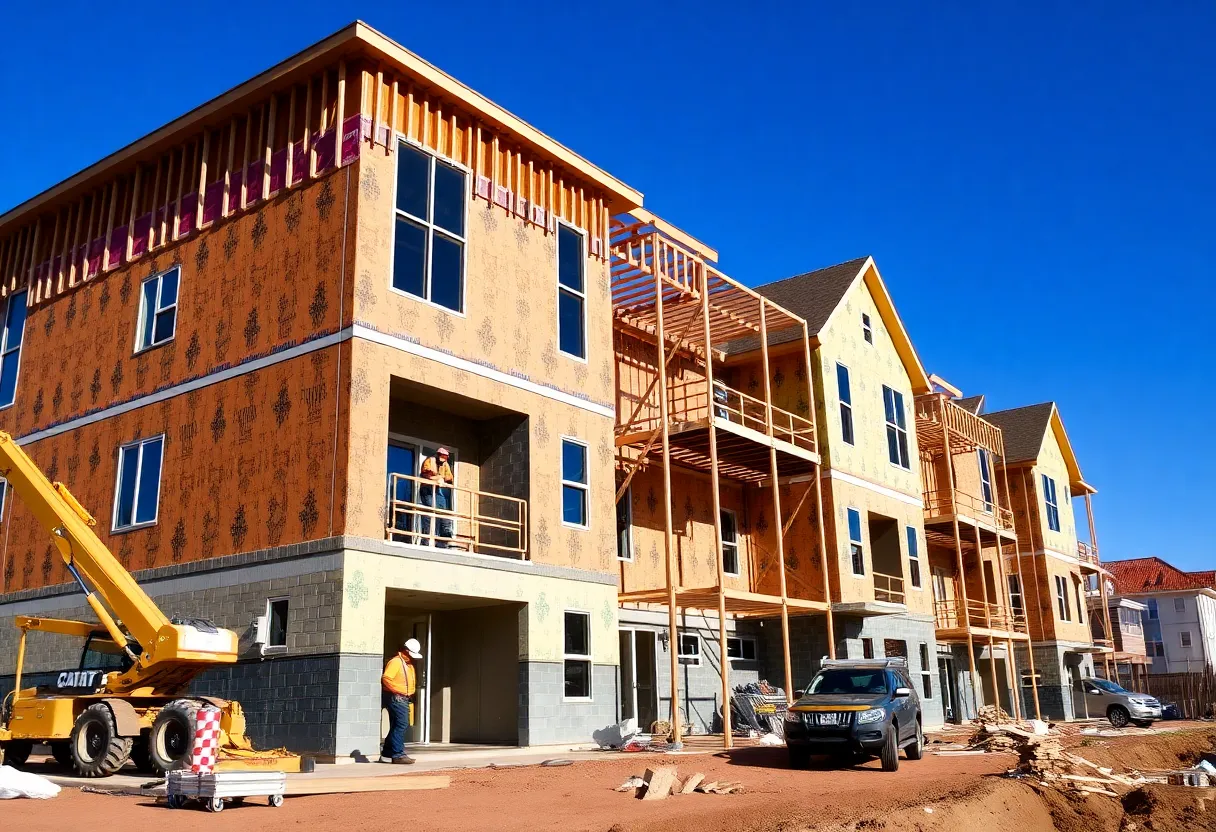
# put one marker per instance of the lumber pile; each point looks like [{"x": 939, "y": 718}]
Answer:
[{"x": 663, "y": 781}]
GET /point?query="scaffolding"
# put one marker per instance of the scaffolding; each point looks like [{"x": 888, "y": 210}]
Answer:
[
  {"x": 971, "y": 524},
  {"x": 676, "y": 316}
]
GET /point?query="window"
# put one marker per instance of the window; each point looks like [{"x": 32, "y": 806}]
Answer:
[
  {"x": 926, "y": 675},
  {"x": 1062, "y": 598},
  {"x": 1152, "y": 609},
  {"x": 578, "y": 655},
  {"x": 741, "y": 649},
  {"x": 1049, "y": 499},
  {"x": 867, "y": 331},
  {"x": 3, "y": 496},
  {"x": 1015, "y": 595},
  {"x": 10, "y": 349},
  {"x": 1131, "y": 621},
  {"x": 689, "y": 649},
  {"x": 855, "y": 550},
  {"x": 138, "y": 483},
  {"x": 730, "y": 543},
  {"x": 986, "y": 478},
  {"x": 574, "y": 483},
  {"x": 1179, "y": 605},
  {"x": 276, "y": 622},
  {"x": 428, "y": 242},
  {"x": 1186, "y": 638},
  {"x": 571, "y": 294},
  {"x": 1076, "y": 585},
  {"x": 624, "y": 526},
  {"x": 1155, "y": 648},
  {"x": 867, "y": 648},
  {"x": 913, "y": 556},
  {"x": 897, "y": 432},
  {"x": 846, "y": 403},
  {"x": 158, "y": 309}
]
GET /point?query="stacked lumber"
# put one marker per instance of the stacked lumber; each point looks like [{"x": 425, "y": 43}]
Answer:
[{"x": 660, "y": 782}]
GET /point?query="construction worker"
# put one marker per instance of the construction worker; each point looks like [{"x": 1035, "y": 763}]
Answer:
[
  {"x": 400, "y": 685},
  {"x": 437, "y": 473}
]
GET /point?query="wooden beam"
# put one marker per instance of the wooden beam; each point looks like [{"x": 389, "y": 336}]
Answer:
[
  {"x": 225, "y": 207},
  {"x": 269, "y": 152},
  {"x": 340, "y": 114}
]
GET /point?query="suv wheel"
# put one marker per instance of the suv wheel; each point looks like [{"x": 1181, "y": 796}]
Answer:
[
  {"x": 1118, "y": 716},
  {"x": 917, "y": 749},
  {"x": 890, "y": 749}
]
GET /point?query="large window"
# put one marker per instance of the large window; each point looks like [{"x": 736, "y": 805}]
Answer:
[
  {"x": 856, "y": 553},
  {"x": 730, "y": 543},
  {"x": 571, "y": 292},
  {"x": 986, "y": 478},
  {"x": 428, "y": 243},
  {"x": 276, "y": 622},
  {"x": 624, "y": 526},
  {"x": 577, "y": 656},
  {"x": 138, "y": 492},
  {"x": 690, "y": 649},
  {"x": 10, "y": 347},
  {"x": 1062, "y": 601},
  {"x": 158, "y": 309},
  {"x": 846, "y": 402},
  {"x": 1049, "y": 499},
  {"x": 740, "y": 649},
  {"x": 897, "y": 431},
  {"x": 913, "y": 556},
  {"x": 574, "y": 483},
  {"x": 1152, "y": 609}
]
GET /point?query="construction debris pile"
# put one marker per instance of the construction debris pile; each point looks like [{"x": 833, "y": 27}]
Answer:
[
  {"x": 662, "y": 781},
  {"x": 757, "y": 708}
]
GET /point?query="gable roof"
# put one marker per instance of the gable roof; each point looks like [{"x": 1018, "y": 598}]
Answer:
[
  {"x": 1139, "y": 575},
  {"x": 975, "y": 405},
  {"x": 1025, "y": 428},
  {"x": 815, "y": 296}
]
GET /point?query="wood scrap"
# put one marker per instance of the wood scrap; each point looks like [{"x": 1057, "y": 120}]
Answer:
[
  {"x": 707, "y": 788},
  {"x": 691, "y": 783},
  {"x": 658, "y": 782}
]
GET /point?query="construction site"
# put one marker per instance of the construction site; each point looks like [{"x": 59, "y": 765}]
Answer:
[{"x": 396, "y": 432}]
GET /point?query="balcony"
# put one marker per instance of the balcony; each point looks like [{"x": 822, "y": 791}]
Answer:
[
  {"x": 1088, "y": 555},
  {"x": 475, "y": 521},
  {"x": 889, "y": 588},
  {"x": 938, "y": 504},
  {"x": 937, "y": 416},
  {"x": 987, "y": 616}
]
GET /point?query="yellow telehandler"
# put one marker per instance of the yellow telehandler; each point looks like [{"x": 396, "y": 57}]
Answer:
[{"x": 128, "y": 699}]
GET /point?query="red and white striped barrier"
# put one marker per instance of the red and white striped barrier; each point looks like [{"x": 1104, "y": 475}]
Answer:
[{"x": 206, "y": 741}]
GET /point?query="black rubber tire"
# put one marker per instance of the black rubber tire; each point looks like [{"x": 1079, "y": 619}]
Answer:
[
  {"x": 172, "y": 736},
  {"x": 16, "y": 752},
  {"x": 97, "y": 750},
  {"x": 917, "y": 749},
  {"x": 799, "y": 757},
  {"x": 1118, "y": 716},
  {"x": 890, "y": 749},
  {"x": 62, "y": 752},
  {"x": 139, "y": 754}
]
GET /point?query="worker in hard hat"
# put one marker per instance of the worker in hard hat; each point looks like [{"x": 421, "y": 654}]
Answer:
[
  {"x": 437, "y": 473},
  {"x": 400, "y": 686}
]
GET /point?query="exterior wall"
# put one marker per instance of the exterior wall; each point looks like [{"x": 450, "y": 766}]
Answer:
[
  {"x": 1051, "y": 463},
  {"x": 1198, "y": 617}
]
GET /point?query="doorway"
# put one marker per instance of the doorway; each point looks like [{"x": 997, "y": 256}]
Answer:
[
  {"x": 639, "y": 688},
  {"x": 399, "y": 626},
  {"x": 948, "y": 687},
  {"x": 405, "y": 457}
]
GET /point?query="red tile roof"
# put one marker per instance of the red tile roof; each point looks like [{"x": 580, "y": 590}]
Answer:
[{"x": 1139, "y": 575}]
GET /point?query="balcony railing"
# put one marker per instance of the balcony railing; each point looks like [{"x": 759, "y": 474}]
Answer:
[
  {"x": 936, "y": 414},
  {"x": 688, "y": 401},
  {"x": 888, "y": 588},
  {"x": 938, "y": 504},
  {"x": 993, "y": 616},
  {"x": 1087, "y": 553},
  {"x": 476, "y": 521}
]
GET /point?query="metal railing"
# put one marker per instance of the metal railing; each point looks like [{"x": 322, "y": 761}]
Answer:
[
  {"x": 938, "y": 503},
  {"x": 889, "y": 588},
  {"x": 688, "y": 401},
  {"x": 472, "y": 520},
  {"x": 949, "y": 615}
]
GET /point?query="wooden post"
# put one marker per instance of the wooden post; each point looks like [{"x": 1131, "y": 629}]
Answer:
[
  {"x": 202, "y": 179},
  {"x": 225, "y": 208},
  {"x": 309, "y": 150},
  {"x": 131, "y": 212},
  {"x": 715, "y": 490},
  {"x": 269, "y": 152},
  {"x": 245, "y": 159},
  {"x": 1038, "y": 601},
  {"x": 105, "y": 252},
  {"x": 668, "y": 533},
  {"x": 155, "y": 199},
  {"x": 1093, "y": 542},
  {"x": 979, "y": 559},
  {"x": 181, "y": 190},
  {"x": 1011, "y": 672},
  {"x": 339, "y": 114},
  {"x": 289, "y": 168},
  {"x": 823, "y": 543},
  {"x": 965, "y": 614}
]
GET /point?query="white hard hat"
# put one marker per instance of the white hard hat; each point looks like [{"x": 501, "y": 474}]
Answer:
[{"x": 414, "y": 648}]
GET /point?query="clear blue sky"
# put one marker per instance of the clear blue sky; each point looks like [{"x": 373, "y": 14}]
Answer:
[{"x": 1036, "y": 181}]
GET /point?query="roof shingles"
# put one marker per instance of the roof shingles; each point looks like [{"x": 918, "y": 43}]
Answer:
[
  {"x": 1139, "y": 575},
  {"x": 1023, "y": 429}
]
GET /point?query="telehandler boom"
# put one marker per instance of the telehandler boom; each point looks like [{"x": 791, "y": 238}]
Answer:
[{"x": 128, "y": 698}]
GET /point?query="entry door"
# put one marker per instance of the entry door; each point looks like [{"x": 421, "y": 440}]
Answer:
[
  {"x": 402, "y": 459},
  {"x": 645, "y": 671},
  {"x": 946, "y": 684},
  {"x": 629, "y": 683},
  {"x": 419, "y": 627}
]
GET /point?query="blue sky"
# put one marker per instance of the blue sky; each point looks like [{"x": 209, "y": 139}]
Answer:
[{"x": 1035, "y": 180}]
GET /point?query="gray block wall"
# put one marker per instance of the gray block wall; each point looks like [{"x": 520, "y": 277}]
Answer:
[
  {"x": 545, "y": 717},
  {"x": 1052, "y": 662}
]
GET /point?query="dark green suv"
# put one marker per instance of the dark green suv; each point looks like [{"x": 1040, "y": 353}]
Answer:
[{"x": 852, "y": 708}]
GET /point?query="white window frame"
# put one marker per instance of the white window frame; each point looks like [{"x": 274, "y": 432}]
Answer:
[
  {"x": 267, "y": 647},
  {"x": 733, "y": 544},
  {"x": 859, "y": 543},
  {"x": 740, "y": 641},
  {"x": 627, "y": 497},
  {"x": 1051, "y": 505},
  {"x": 688, "y": 659},
  {"x": 1185, "y": 640},
  {"x": 897, "y": 405},
  {"x": 7, "y": 349},
  {"x": 584, "y": 486},
  {"x": 846, "y": 406},
  {"x": 914, "y": 575},
  {"x": 561, "y": 287},
  {"x": 1063, "y": 605},
  {"x": 140, "y": 331},
  {"x": 986, "y": 491},
  {"x": 429, "y": 225},
  {"x": 867, "y": 329},
  {"x": 578, "y": 657},
  {"x": 139, "y": 470}
]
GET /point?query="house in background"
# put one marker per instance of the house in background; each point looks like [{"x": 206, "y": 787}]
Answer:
[
  {"x": 1129, "y": 660},
  {"x": 1179, "y": 612}
]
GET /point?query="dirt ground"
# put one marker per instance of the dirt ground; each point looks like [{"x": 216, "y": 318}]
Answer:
[{"x": 936, "y": 794}]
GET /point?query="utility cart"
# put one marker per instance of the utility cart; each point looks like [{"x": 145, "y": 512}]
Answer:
[{"x": 211, "y": 790}]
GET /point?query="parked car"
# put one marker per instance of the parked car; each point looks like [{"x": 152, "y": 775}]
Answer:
[
  {"x": 1103, "y": 697},
  {"x": 856, "y": 707}
]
